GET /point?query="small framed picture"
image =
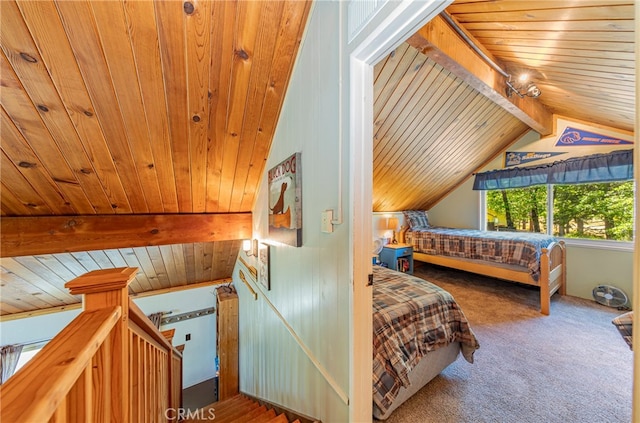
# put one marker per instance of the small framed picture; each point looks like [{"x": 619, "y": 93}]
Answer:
[{"x": 264, "y": 276}]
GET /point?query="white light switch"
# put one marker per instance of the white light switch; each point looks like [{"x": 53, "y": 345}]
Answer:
[{"x": 327, "y": 217}]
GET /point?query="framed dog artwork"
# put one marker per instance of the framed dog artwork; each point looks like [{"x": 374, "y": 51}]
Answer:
[{"x": 285, "y": 201}]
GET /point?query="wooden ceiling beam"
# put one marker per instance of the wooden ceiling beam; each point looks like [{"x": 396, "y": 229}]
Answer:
[
  {"x": 25, "y": 236},
  {"x": 439, "y": 41}
]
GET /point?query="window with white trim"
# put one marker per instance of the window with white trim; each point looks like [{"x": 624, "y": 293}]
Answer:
[
  {"x": 597, "y": 211},
  {"x": 589, "y": 197}
]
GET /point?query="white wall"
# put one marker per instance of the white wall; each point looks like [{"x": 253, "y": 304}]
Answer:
[
  {"x": 587, "y": 267},
  {"x": 459, "y": 209},
  {"x": 590, "y": 267},
  {"x": 34, "y": 329},
  {"x": 199, "y": 352}
]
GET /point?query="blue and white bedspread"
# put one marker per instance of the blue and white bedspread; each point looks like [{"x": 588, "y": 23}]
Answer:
[{"x": 517, "y": 248}]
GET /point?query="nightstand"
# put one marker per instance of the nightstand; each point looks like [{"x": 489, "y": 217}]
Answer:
[{"x": 398, "y": 257}]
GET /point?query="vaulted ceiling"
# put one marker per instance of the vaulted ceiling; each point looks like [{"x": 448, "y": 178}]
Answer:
[
  {"x": 135, "y": 133},
  {"x": 441, "y": 112}
]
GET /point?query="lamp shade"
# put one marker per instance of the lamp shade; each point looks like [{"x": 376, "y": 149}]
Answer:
[{"x": 393, "y": 223}]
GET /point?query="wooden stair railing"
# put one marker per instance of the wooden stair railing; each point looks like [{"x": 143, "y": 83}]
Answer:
[
  {"x": 153, "y": 361},
  {"x": 109, "y": 364}
]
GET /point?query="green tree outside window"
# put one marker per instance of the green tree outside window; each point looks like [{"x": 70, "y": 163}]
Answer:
[{"x": 591, "y": 211}]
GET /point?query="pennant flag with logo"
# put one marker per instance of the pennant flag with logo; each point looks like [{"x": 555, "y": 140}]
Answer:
[
  {"x": 516, "y": 158},
  {"x": 572, "y": 137}
]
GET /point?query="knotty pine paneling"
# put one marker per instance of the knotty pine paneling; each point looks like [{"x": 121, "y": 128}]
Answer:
[
  {"x": 146, "y": 106},
  {"x": 48, "y": 34},
  {"x": 255, "y": 92}
]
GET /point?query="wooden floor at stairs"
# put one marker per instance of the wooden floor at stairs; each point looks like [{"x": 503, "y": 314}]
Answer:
[{"x": 238, "y": 409}]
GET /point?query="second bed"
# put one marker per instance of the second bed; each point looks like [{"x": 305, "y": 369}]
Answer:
[{"x": 523, "y": 257}]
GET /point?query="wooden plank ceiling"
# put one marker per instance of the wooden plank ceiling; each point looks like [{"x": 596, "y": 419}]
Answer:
[
  {"x": 124, "y": 107},
  {"x": 435, "y": 122},
  {"x": 37, "y": 282},
  {"x": 119, "y": 108}
]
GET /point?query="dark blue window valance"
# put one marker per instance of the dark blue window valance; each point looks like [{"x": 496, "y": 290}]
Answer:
[{"x": 609, "y": 167}]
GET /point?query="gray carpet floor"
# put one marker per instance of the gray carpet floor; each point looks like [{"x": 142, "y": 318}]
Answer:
[{"x": 571, "y": 366}]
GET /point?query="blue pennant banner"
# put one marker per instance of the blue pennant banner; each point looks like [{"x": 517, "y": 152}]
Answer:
[
  {"x": 573, "y": 137},
  {"x": 516, "y": 158}
]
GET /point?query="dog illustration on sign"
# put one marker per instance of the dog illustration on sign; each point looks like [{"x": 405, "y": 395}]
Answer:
[
  {"x": 279, "y": 217},
  {"x": 278, "y": 208}
]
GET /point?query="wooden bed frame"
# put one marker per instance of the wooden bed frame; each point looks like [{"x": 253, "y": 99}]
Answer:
[{"x": 552, "y": 278}]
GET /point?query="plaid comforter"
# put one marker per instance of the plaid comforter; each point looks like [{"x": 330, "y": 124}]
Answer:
[
  {"x": 410, "y": 318},
  {"x": 518, "y": 248},
  {"x": 624, "y": 323}
]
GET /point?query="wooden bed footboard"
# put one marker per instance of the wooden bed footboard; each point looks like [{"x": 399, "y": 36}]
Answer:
[
  {"x": 553, "y": 274},
  {"x": 552, "y": 271}
]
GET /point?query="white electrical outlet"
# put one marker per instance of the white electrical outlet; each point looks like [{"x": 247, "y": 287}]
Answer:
[{"x": 327, "y": 217}]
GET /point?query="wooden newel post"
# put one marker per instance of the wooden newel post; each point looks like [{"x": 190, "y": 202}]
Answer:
[{"x": 108, "y": 288}]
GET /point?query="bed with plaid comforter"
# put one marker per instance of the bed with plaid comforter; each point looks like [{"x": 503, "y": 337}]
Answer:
[
  {"x": 516, "y": 248},
  {"x": 410, "y": 318}
]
